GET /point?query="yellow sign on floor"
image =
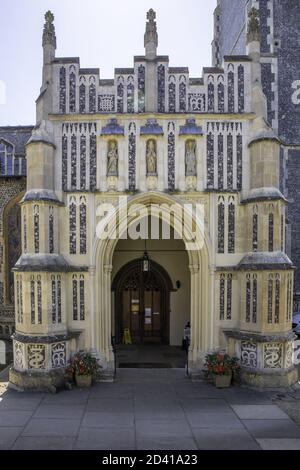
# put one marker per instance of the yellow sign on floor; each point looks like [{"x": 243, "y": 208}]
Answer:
[{"x": 127, "y": 336}]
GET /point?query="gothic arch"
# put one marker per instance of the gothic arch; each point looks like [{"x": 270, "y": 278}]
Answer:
[{"x": 201, "y": 286}]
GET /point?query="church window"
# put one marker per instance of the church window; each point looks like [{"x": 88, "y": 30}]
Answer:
[
  {"x": 231, "y": 91},
  {"x": 210, "y": 97},
  {"x": 172, "y": 94},
  {"x": 222, "y": 296},
  {"x": 81, "y": 298},
  {"x": 221, "y": 216},
  {"x": 73, "y": 161},
  {"x": 62, "y": 90},
  {"x": 120, "y": 95},
  {"x": 182, "y": 93},
  {"x": 231, "y": 226},
  {"x": 32, "y": 299},
  {"x": 271, "y": 232},
  {"x": 36, "y": 219},
  {"x": 132, "y": 156},
  {"x": 130, "y": 94},
  {"x": 19, "y": 299},
  {"x": 83, "y": 162},
  {"x": 141, "y": 89},
  {"x": 254, "y": 299},
  {"x": 72, "y": 86},
  {"x": 75, "y": 297},
  {"x": 221, "y": 104},
  {"x": 210, "y": 161},
  {"x": 51, "y": 230},
  {"x": 239, "y": 152},
  {"x": 161, "y": 87},
  {"x": 241, "y": 89},
  {"x": 270, "y": 299},
  {"x": 39, "y": 299},
  {"x": 64, "y": 162},
  {"x": 25, "y": 233},
  {"x": 289, "y": 297},
  {"x": 277, "y": 298},
  {"x": 82, "y": 221},
  {"x": 82, "y": 108},
  {"x": 56, "y": 299},
  {"x": 171, "y": 156},
  {"x": 229, "y": 161},
  {"x": 220, "y": 162},
  {"x": 255, "y": 230},
  {"x": 93, "y": 162},
  {"x": 248, "y": 298},
  {"x": 229, "y": 297},
  {"x": 72, "y": 225},
  {"x": 92, "y": 95}
]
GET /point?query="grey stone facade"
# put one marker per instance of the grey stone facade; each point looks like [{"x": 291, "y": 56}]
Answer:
[{"x": 280, "y": 58}]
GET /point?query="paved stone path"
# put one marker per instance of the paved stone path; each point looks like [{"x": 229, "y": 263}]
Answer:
[{"x": 145, "y": 409}]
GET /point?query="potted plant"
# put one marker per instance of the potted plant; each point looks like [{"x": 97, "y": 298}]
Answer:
[
  {"x": 220, "y": 367},
  {"x": 83, "y": 366}
]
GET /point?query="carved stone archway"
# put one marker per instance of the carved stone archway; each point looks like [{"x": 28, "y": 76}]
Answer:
[{"x": 201, "y": 287}]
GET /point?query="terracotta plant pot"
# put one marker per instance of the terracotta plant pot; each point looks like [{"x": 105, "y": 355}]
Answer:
[
  {"x": 83, "y": 381},
  {"x": 222, "y": 381}
]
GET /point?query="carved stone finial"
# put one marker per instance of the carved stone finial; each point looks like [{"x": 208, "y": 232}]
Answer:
[
  {"x": 253, "y": 31},
  {"x": 49, "y": 36},
  {"x": 151, "y": 15},
  {"x": 151, "y": 36}
]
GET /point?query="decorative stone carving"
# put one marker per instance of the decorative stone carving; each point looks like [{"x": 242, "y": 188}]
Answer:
[
  {"x": 49, "y": 30},
  {"x": 36, "y": 356},
  {"x": 288, "y": 355},
  {"x": 253, "y": 31},
  {"x": 112, "y": 158},
  {"x": 19, "y": 356},
  {"x": 58, "y": 355},
  {"x": 248, "y": 354},
  {"x": 273, "y": 356},
  {"x": 190, "y": 158},
  {"x": 151, "y": 157},
  {"x": 152, "y": 182}
]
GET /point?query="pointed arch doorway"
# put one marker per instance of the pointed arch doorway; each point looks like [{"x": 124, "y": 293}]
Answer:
[{"x": 142, "y": 303}]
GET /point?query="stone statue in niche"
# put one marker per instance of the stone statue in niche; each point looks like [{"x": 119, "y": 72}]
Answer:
[
  {"x": 151, "y": 157},
  {"x": 190, "y": 158},
  {"x": 112, "y": 158}
]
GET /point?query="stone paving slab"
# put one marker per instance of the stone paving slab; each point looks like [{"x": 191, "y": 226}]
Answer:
[
  {"x": 109, "y": 420},
  {"x": 8, "y": 436},
  {"x": 14, "y": 418},
  {"x": 52, "y": 427},
  {"x": 259, "y": 412},
  {"x": 224, "y": 439},
  {"x": 279, "y": 444},
  {"x": 99, "y": 438},
  {"x": 166, "y": 443},
  {"x": 59, "y": 411},
  {"x": 272, "y": 428},
  {"x": 146, "y": 409},
  {"x": 42, "y": 443}
]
